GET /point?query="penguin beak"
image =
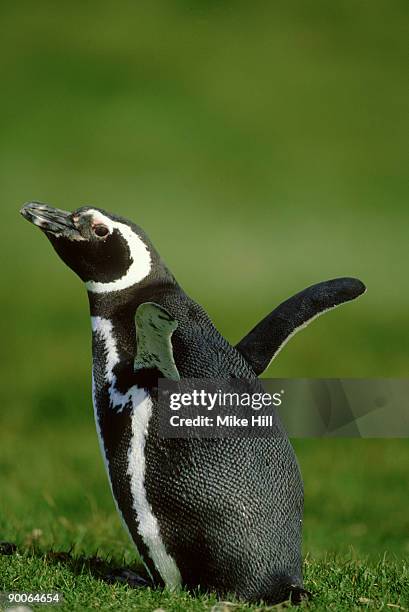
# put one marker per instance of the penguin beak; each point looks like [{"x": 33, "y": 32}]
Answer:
[{"x": 51, "y": 220}]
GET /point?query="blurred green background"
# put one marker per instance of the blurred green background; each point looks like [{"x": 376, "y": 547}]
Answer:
[{"x": 263, "y": 147}]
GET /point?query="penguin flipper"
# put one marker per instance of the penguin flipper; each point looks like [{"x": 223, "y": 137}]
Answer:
[
  {"x": 267, "y": 338},
  {"x": 154, "y": 327}
]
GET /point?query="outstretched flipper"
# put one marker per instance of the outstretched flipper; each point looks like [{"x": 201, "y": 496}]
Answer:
[
  {"x": 155, "y": 326},
  {"x": 267, "y": 338}
]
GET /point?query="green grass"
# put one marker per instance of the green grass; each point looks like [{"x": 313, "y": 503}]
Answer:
[
  {"x": 56, "y": 498},
  {"x": 338, "y": 583},
  {"x": 263, "y": 147}
]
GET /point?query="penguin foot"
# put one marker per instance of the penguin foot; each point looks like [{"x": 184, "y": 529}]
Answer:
[
  {"x": 126, "y": 576},
  {"x": 7, "y": 548},
  {"x": 298, "y": 595}
]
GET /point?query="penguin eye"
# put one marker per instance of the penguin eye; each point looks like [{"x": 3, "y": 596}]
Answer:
[{"x": 101, "y": 230}]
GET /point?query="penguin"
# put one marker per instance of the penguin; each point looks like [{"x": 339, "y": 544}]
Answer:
[{"x": 222, "y": 515}]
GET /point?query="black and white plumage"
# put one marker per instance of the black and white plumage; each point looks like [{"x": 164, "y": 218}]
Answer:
[
  {"x": 225, "y": 515},
  {"x": 263, "y": 343}
]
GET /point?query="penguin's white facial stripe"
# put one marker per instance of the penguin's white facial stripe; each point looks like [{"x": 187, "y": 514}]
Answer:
[
  {"x": 139, "y": 252},
  {"x": 97, "y": 218},
  {"x": 141, "y": 413}
]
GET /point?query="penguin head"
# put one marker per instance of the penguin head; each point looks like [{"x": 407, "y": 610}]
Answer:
[{"x": 107, "y": 252}]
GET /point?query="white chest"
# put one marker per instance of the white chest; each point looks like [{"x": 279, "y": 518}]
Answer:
[{"x": 141, "y": 411}]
